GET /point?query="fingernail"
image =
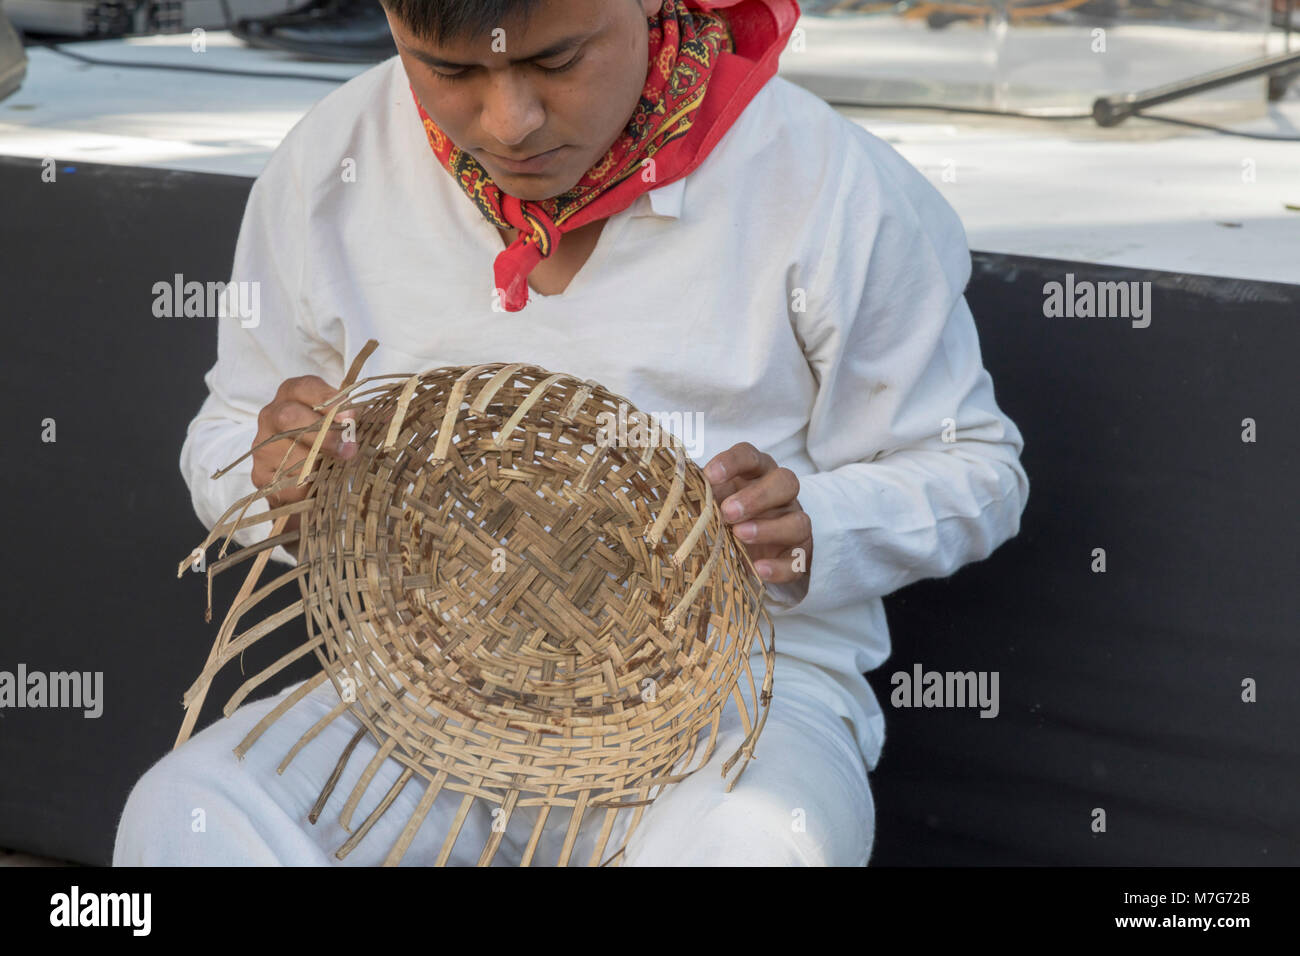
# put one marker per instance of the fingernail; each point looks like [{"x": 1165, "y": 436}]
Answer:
[
  {"x": 733, "y": 509},
  {"x": 764, "y": 570},
  {"x": 347, "y": 450},
  {"x": 715, "y": 472},
  {"x": 746, "y": 531}
]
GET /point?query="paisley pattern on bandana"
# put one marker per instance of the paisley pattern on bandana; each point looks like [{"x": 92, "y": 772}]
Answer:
[{"x": 684, "y": 47}]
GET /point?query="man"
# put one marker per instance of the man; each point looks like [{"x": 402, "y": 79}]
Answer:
[{"x": 524, "y": 183}]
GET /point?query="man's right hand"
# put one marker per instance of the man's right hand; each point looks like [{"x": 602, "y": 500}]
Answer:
[{"x": 292, "y": 408}]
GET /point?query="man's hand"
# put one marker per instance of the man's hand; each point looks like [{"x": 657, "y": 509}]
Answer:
[
  {"x": 292, "y": 408},
  {"x": 758, "y": 499}
]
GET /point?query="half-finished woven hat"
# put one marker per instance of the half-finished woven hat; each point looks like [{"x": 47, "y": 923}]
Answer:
[{"x": 518, "y": 608}]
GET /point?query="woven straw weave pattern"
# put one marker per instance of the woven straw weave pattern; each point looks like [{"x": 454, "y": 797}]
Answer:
[{"x": 517, "y": 608}]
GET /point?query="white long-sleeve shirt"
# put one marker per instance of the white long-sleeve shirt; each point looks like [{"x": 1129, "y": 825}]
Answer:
[{"x": 802, "y": 290}]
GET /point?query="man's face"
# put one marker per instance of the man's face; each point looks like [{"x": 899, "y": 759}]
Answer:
[{"x": 542, "y": 111}]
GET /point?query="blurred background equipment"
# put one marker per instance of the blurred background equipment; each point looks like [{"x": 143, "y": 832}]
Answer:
[
  {"x": 350, "y": 31},
  {"x": 1035, "y": 57},
  {"x": 106, "y": 18},
  {"x": 1112, "y": 110},
  {"x": 13, "y": 58}
]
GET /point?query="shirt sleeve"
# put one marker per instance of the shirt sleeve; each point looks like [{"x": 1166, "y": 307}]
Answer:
[
  {"x": 918, "y": 470},
  {"x": 257, "y": 351}
]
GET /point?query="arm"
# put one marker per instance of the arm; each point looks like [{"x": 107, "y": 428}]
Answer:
[
  {"x": 252, "y": 362},
  {"x": 918, "y": 470}
]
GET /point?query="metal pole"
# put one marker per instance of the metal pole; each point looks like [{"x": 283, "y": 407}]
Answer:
[{"x": 1113, "y": 110}]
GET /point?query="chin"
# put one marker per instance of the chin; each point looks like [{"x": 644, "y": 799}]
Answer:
[
  {"x": 521, "y": 188},
  {"x": 535, "y": 187}
]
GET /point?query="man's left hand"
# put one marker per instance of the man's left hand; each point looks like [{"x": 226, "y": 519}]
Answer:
[{"x": 769, "y": 520}]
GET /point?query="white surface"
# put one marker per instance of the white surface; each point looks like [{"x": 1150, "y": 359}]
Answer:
[
  {"x": 1141, "y": 195},
  {"x": 202, "y": 122},
  {"x": 1159, "y": 204}
]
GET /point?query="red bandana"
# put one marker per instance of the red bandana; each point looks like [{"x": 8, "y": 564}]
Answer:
[{"x": 706, "y": 67}]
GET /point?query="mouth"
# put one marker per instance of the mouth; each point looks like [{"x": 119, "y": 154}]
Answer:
[{"x": 529, "y": 165}]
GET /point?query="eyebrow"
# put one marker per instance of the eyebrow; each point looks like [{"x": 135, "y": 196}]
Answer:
[{"x": 556, "y": 48}]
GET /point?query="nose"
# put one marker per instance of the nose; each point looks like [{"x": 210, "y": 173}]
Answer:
[{"x": 511, "y": 110}]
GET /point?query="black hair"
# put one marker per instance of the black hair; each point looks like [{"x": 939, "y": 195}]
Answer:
[{"x": 439, "y": 20}]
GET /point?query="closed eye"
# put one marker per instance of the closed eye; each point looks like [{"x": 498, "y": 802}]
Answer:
[
  {"x": 451, "y": 77},
  {"x": 464, "y": 73},
  {"x": 561, "y": 69}
]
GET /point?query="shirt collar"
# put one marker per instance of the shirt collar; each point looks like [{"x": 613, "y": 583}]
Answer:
[{"x": 663, "y": 201}]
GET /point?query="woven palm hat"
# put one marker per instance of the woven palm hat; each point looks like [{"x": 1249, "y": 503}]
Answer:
[{"x": 517, "y": 607}]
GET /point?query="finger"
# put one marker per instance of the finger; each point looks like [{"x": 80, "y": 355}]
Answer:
[
  {"x": 728, "y": 488},
  {"x": 341, "y": 440},
  {"x": 760, "y": 549},
  {"x": 276, "y": 460},
  {"x": 746, "y": 475},
  {"x": 281, "y": 456},
  {"x": 781, "y": 569},
  {"x": 313, "y": 391},
  {"x": 291, "y": 491},
  {"x": 784, "y": 531},
  {"x": 741, "y": 460},
  {"x": 290, "y": 414},
  {"x": 310, "y": 390},
  {"x": 775, "y": 489}
]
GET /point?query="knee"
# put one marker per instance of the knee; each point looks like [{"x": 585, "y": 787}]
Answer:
[
  {"x": 148, "y": 808},
  {"x": 755, "y": 827},
  {"x": 750, "y": 826},
  {"x": 775, "y": 816},
  {"x": 175, "y": 812},
  {"x": 163, "y": 809}
]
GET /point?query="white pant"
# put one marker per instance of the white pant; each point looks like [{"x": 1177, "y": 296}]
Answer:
[{"x": 803, "y": 800}]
